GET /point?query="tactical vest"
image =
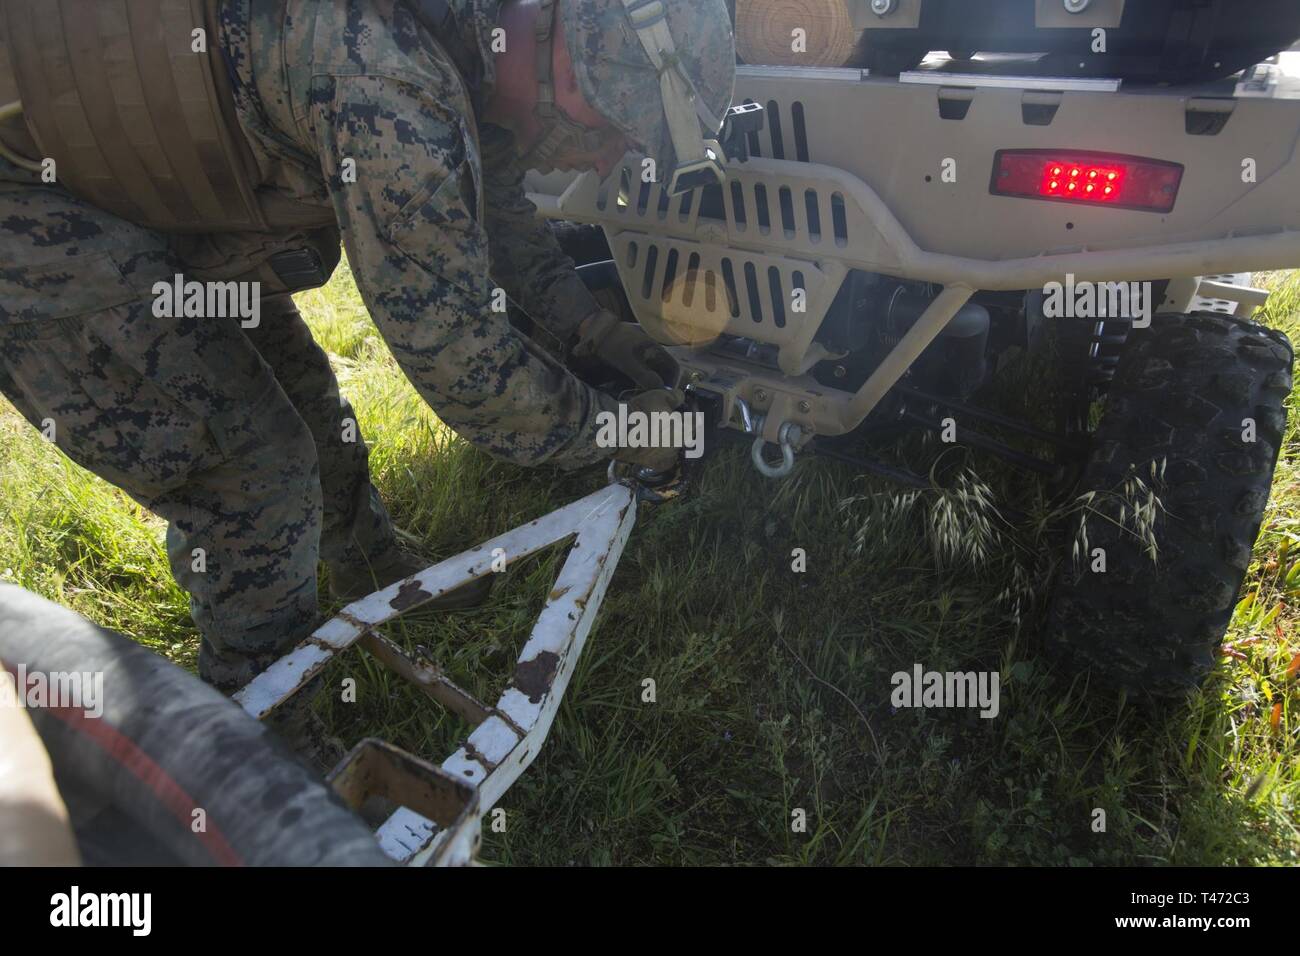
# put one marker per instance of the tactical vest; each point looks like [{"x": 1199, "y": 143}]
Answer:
[{"x": 134, "y": 105}]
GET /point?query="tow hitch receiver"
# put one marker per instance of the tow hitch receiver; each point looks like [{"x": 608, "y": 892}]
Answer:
[{"x": 507, "y": 734}]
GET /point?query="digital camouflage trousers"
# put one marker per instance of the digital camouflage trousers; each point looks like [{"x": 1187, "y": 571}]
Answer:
[{"x": 237, "y": 437}]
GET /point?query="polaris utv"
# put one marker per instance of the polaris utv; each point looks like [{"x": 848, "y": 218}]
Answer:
[{"x": 888, "y": 243}]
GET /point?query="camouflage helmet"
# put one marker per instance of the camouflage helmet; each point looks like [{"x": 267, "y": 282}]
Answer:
[{"x": 616, "y": 75}]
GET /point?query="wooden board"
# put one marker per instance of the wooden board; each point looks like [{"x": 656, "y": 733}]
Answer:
[{"x": 765, "y": 32}]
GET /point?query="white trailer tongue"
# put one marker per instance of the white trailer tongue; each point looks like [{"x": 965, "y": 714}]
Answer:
[{"x": 440, "y": 817}]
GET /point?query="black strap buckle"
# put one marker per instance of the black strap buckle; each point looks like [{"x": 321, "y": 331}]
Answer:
[
  {"x": 741, "y": 121},
  {"x": 299, "y": 269}
]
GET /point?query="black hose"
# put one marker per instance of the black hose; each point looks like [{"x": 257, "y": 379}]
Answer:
[{"x": 170, "y": 753}]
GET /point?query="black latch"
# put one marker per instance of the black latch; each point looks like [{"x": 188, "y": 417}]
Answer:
[
  {"x": 741, "y": 121},
  {"x": 299, "y": 269}
]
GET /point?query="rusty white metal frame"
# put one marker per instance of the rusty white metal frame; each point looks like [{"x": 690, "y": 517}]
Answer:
[{"x": 509, "y": 733}]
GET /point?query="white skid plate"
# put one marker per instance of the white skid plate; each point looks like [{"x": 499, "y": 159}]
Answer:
[{"x": 509, "y": 734}]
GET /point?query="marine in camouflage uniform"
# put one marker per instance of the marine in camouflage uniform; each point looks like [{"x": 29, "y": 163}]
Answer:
[{"x": 235, "y": 435}]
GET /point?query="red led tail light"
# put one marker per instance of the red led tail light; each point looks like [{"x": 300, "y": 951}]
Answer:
[{"x": 1095, "y": 179}]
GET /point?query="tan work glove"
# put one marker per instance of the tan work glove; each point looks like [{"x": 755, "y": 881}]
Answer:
[
  {"x": 626, "y": 347},
  {"x": 656, "y": 459}
]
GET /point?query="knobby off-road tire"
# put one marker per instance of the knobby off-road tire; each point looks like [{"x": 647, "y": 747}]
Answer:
[{"x": 1181, "y": 396}]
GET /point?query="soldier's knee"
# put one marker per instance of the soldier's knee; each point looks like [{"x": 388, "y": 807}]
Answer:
[
  {"x": 267, "y": 431},
  {"x": 295, "y": 439},
  {"x": 290, "y": 454}
]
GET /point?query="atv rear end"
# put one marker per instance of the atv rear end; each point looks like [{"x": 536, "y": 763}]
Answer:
[
  {"x": 862, "y": 191},
  {"x": 890, "y": 243}
]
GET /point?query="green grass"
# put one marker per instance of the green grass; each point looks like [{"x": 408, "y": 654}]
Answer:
[{"x": 772, "y": 686}]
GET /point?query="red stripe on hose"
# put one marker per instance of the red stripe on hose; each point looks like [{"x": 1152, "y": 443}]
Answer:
[
  {"x": 164, "y": 787},
  {"x": 171, "y": 794}
]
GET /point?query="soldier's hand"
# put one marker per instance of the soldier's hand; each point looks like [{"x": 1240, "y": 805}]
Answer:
[
  {"x": 626, "y": 347},
  {"x": 648, "y": 403}
]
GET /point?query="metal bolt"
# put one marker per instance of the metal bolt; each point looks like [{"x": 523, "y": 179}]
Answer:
[
  {"x": 840, "y": 371},
  {"x": 1077, "y": 6},
  {"x": 883, "y": 8},
  {"x": 805, "y": 407},
  {"x": 760, "y": 395},
  {"x": 697, "y": 376}
]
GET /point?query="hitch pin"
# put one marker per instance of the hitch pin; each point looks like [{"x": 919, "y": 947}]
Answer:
[{"x": 747, "y": 418}]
